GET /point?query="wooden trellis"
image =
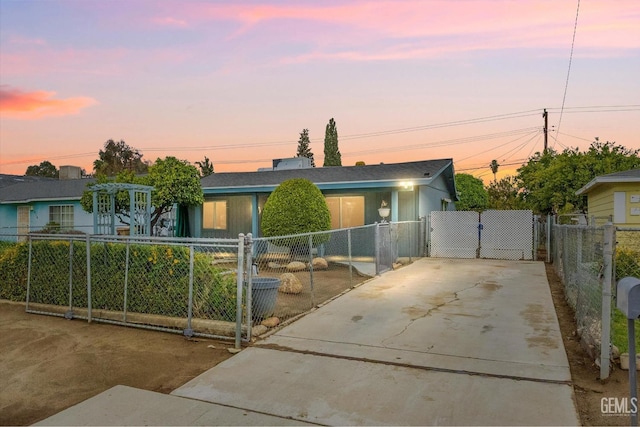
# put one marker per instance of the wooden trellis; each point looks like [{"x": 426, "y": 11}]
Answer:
[{"x": 104, "y": 208}]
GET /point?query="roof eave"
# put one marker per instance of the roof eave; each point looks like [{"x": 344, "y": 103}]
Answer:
[
  {"x": 601, "y": 180},
  {"x": 33, "y": 200},
  {"x": 338, "y": 185}
]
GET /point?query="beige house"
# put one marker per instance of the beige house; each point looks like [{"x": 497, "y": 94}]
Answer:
[{"x": 615, "y": 196}]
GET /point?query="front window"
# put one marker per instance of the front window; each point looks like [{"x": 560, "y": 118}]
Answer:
[
  {"x": 214, "y": 215},
  {"x": 346, "y": 211},
  {"x": 61, "y": 217}
]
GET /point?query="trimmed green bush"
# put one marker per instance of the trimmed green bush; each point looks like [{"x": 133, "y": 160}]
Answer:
[{"x": 296, "y": 207}]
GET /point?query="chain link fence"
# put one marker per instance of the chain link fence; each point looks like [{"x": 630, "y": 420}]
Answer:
[
  {"x": 187, "y": 286},
  {"x": 590, "y": 260},
  {"x": 579, "y": 261},
  {"x": 295, "y": 274},
  {"x": 627, "y": 252},
  {"x": 219, "y": 288}
]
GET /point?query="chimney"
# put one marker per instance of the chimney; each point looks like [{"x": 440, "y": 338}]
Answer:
[{"x": 70, "y": 172}]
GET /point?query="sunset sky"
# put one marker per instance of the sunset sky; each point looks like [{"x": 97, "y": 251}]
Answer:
[{"x": 238, "y": 81}]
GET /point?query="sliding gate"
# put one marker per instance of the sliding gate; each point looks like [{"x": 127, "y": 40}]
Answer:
[{"x": 490, "y": 234}]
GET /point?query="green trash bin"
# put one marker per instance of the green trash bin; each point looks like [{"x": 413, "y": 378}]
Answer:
[{"x": 264, "y": 295}]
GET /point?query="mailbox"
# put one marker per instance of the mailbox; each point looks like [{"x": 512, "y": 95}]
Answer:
[{"x": 628, "y": 297}]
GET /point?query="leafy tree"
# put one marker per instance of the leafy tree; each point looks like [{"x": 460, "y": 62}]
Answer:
[
  {"x": 303, "y": 147},
  {"x": 503, "y": 194},
  {"x": 118, "y": 157},
  {"x": 206, "y": 167},
  {"x": 549, "y": 181},
  {"x": 296, "y": 206},
  {"x": 332, "y": 156},
  {"x": 45, "y": 169},
  {"x": 471, "y": 193},
  {"x": 175, "y": 182}
]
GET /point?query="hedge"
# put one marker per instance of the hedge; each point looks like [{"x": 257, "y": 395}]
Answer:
[{"x": 157, "y": 280}]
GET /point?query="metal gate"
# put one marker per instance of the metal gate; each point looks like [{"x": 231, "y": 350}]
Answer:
[
  {"x": 454, "y": 234},
  {"x": 491, "y": 234}
]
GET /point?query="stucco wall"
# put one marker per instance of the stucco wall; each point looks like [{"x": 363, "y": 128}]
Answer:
[{"x": 39, "y": 217}]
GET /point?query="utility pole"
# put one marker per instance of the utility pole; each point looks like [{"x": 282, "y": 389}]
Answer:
[{"x": 545, "y": 115}]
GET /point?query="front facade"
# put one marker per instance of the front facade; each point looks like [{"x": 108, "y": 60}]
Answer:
[
  {"x": 615, "y": 196},
  {"x": 234, "y": 201}
]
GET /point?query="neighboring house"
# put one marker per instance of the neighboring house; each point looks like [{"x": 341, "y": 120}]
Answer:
[
  {"x": 7, "y": 180},
  {"x": 616, "y": 195},
  {"x": 234, "y": 200},
  {"x": 30, "y": 204}
]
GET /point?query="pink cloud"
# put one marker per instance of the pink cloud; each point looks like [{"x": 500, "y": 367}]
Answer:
[
  {"x": 458, "y": 26},
  {"x": 17, "y": 104},
  {"x": 169, "y": 21}
]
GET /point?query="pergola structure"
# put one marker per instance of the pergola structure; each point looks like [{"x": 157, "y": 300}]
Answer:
[{"x": 104, "y": 208}]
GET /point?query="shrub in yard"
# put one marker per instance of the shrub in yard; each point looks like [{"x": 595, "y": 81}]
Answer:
[
  {"x": 627, "y": 263},
  {"x": 14, "y": 258},
  {"x": 297, "y": 206}
]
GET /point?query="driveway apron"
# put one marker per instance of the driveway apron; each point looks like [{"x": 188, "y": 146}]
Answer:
[{"x": 440, "y": 341}]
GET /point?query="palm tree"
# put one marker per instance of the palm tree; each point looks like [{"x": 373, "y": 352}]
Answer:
[{"x": 494, "y": 168}]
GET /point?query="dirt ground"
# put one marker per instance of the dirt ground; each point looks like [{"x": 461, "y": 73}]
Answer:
[
  {"x": 48, "y": 363},
  {"x": 585, "y": 374}
]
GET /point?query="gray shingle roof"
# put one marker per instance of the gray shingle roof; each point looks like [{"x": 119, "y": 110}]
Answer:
[
  {"x": 333, "y": 174},
  {"x": 7, "y": 180},
  {"x": 47, "y": 189},
  {"x": 631, "y": 175}
]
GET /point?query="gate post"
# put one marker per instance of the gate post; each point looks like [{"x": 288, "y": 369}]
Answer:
[
  {"x": 377, "y": 248},
  {"x": 239, "y": 284},
  {"x": 607, "y": 280}
]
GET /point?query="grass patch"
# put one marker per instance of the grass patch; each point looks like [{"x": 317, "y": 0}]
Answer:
[{"x": 619, "y": 336}]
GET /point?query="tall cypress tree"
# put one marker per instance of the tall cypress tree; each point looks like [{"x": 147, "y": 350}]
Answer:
[
  {"x": 303, "y": 147},
  {"x": 332, "y": 155}
]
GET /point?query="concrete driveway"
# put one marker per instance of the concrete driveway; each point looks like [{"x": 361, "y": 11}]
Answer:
[{"x": 455, "y": 342}]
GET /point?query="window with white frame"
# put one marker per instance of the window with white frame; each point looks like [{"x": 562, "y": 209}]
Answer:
[
  {"x": 346, "y": 211},
  {"x": 62, "y": 216},
  {"x": 214, "y": 215}
]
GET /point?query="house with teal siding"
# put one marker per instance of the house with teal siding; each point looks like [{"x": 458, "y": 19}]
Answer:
[
  {"x": 28, "y": 205},
  {"x": 234, "y": 200}
]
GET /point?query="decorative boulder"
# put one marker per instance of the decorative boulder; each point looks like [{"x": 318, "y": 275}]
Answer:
[
  {"x": 290, "y": 284},
  {"x": 320, "y": 264},
  {"x": 296, "y": 266},
  {"x": 270, "y": 322}
]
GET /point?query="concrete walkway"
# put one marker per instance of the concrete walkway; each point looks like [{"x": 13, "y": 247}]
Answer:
[{"x": 455, "y": 342}]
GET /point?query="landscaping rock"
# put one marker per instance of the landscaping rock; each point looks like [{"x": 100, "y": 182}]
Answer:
[
  {"x": 259, "y": 330},
  {"x": 296, "y": 266},
  {"x": 270, "y": 322},
  {"x": 273, "y": 265},
  {"x": 290, "y": 284},
  {"x": 319, "y": 264}
]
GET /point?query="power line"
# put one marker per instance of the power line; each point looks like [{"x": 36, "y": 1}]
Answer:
[
  {"x": 566, "y": 85},
  {"x": 477, "y": 120},
  {"x": 485, "y": 119}
]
